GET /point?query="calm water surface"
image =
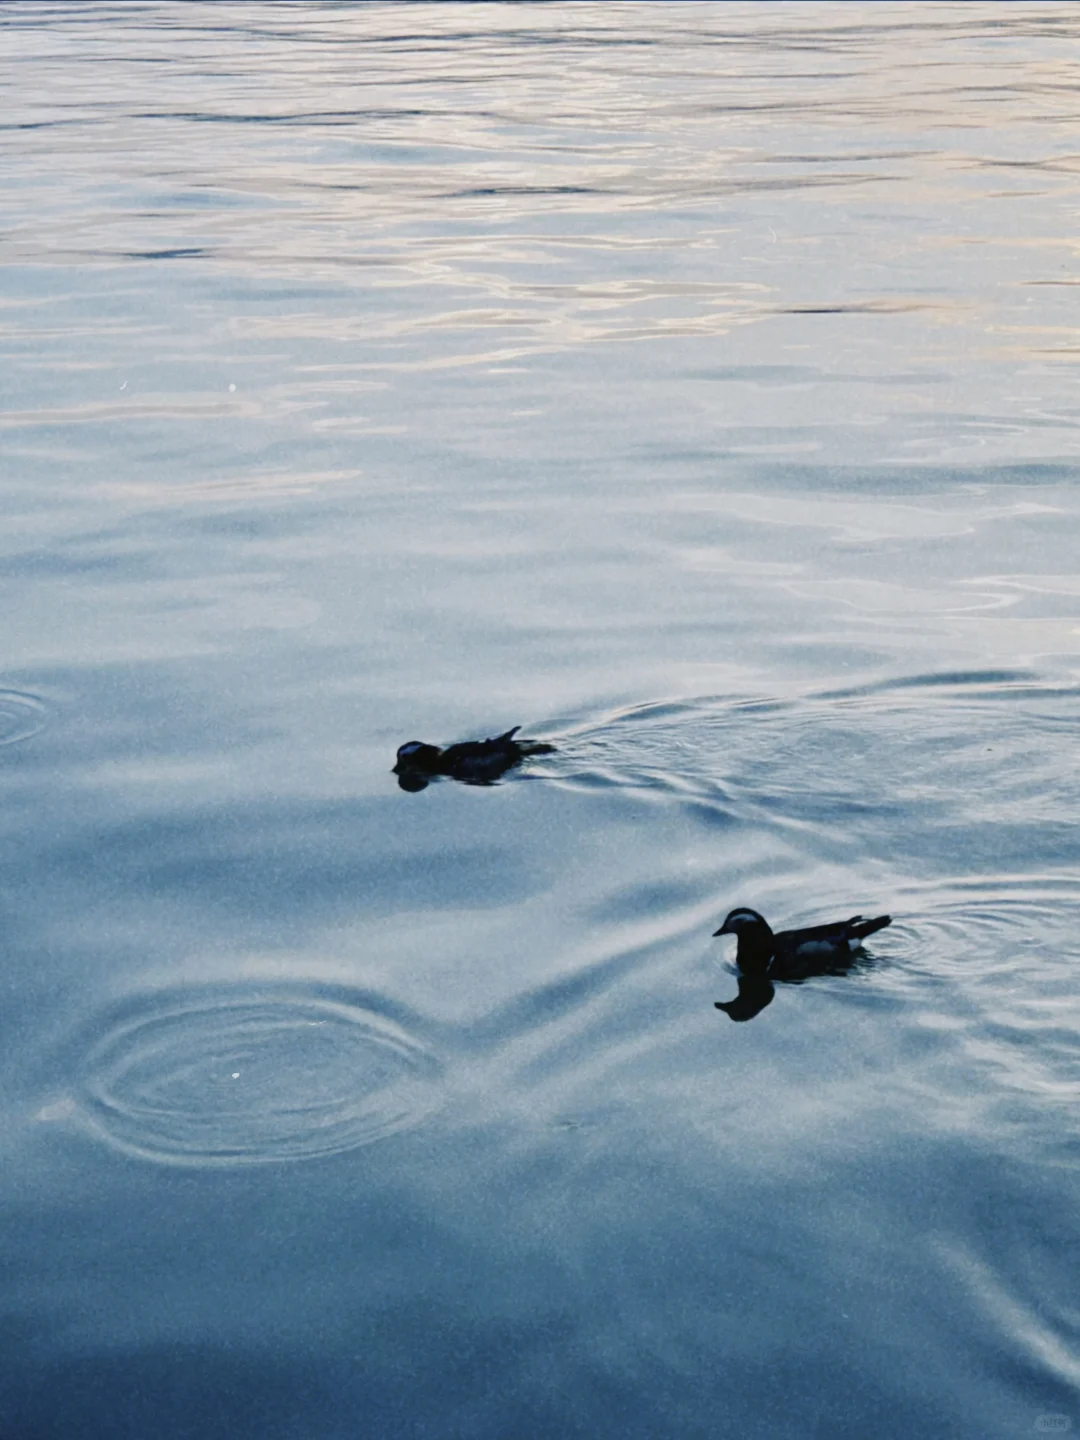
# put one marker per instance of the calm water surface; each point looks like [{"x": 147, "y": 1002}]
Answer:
[{"x": 699, "y": 387}]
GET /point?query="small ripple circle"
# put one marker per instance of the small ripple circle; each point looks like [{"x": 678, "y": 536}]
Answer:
[
  {"x": 21, "y": 716},
  {"x": 243, "y": 1078}
]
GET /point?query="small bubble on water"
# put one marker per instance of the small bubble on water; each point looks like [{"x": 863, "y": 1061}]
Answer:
[{"x": 232, "y": 387}]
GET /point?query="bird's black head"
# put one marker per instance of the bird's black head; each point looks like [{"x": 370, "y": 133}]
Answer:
[
  {"x": 414, "y": 755},
  {"x": 745, "y": 921}
]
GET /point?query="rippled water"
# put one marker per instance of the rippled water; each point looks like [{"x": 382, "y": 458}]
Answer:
[
  {"x": 314, "y": 1077},
  {"x": 696, "y": 386}
]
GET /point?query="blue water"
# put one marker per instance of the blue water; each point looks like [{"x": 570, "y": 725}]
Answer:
[{"x": 696, "y": 386}]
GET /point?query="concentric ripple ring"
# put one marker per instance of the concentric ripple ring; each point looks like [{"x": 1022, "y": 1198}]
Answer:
[{"x": 241, "y": 1077}]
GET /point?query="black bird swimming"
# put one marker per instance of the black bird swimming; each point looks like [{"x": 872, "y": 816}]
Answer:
[
  {"x": 474, "y": 762},
  {"x": 793, "y": 955}
]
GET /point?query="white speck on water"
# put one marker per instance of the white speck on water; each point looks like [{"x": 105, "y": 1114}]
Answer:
[
  {"x": 236, "y": 1075},
  {"x": 58, "y": 1110},
  {"x": 232, "y": 387}
]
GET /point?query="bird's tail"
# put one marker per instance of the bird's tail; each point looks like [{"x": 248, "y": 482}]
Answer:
[
  {"x": 527, "y": 747},
  {"x": 858, "y": 929}
]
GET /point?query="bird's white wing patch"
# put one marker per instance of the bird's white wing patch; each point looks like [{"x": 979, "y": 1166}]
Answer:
[{"x": 819, "y": 947}]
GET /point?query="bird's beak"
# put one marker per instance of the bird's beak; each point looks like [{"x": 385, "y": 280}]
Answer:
[{"x": 723, "y": 931}]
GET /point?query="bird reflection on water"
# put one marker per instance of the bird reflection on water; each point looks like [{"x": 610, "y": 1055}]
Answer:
[{"x": 790, "y": 956}]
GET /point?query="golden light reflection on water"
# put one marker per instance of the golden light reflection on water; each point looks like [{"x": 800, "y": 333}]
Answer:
[
  {"x": 465, "y": 151},
  {"x": 306, "y": 203}
]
